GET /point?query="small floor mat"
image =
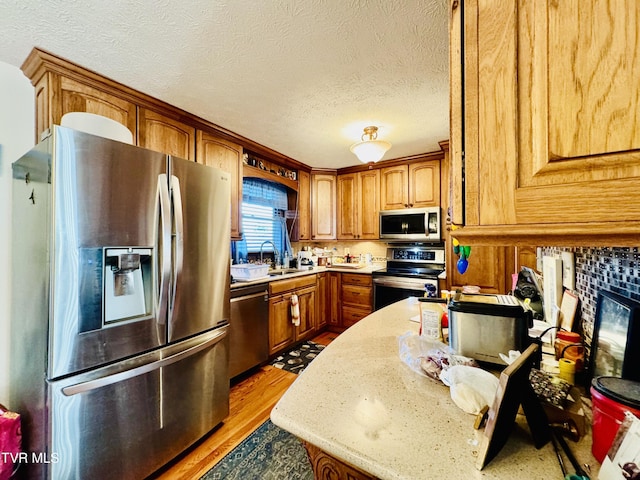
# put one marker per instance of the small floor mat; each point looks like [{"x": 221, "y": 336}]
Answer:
[{"x": 296, "y": 360}]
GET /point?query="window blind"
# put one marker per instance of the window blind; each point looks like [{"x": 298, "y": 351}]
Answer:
[{"x": 263, "y": 205}]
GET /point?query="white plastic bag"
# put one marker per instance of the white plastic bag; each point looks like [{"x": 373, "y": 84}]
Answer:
[
  {"x": 471, "y": 388},
  {"x": 428, "y": 357},
  {"x": 414, "y": 348}
]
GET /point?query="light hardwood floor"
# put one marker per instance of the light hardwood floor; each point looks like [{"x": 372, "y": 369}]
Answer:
[{"x": 250, "y": 402}]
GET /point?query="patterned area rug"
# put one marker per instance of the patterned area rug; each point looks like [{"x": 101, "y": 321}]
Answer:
[
  {"x": 296, "y": 360},
  {"x": 269, "y": 453}
]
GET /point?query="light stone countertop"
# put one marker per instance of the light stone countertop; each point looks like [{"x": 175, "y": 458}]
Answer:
[
  {"x": 360, "y": 403},
  {"x": 367, "y": 269}
]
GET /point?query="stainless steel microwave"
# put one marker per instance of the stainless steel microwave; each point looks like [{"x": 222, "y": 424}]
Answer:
[{"x": 412, "y": 224}]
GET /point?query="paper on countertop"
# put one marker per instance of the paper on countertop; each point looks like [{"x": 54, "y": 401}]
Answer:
[
  {"x": 415, "y": 318},
  {"x": 539, "y": 327}
]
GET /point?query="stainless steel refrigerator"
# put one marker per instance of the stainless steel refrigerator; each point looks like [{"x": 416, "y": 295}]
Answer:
[{"x": 120, "y": 306}]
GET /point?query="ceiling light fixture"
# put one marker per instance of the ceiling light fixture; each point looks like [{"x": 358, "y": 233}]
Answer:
[{"x": 371, "y": 149}]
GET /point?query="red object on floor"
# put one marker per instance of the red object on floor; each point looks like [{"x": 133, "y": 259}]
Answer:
[
  {"x": 611, "y": 397},
  {"x": 10, "y": 439}
]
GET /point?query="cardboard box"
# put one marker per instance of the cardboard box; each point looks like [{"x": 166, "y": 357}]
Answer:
[{"x": 573, "y": 410}]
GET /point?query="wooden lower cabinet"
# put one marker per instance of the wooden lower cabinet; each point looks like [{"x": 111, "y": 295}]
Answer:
[
  {"x": 354, "y": 299},
  {"x": 323, "y": 297},
  {"x": 326, "y": 467},
  {"x": 334, "y": 301},
  {"x": 282, "y": 331}
]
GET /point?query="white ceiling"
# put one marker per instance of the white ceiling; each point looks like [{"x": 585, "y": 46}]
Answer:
[{"x": 303, "y": 77}]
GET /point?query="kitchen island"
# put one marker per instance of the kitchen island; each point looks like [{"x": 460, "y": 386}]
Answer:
[{"x": 357, "y": 402}]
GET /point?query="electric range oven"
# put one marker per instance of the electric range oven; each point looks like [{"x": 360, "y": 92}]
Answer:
[{"x": 412, "y": 270}]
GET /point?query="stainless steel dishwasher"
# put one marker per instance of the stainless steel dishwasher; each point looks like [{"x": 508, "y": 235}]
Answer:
[{"x": 249, "y": 328}]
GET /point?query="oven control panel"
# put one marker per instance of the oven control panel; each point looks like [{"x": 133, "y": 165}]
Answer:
[
  {"x": 419, "y": 255},
  {"x": 428, "y": 255}
]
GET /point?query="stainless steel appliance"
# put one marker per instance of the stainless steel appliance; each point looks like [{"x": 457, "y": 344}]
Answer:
[
  {"x": 120, "y": 306},
  {"x": 249, "y": 328},
  {"x": 411, "y": 270},
  {"x": 411, "y": 224},
  {"x": 482, "y": 326}
]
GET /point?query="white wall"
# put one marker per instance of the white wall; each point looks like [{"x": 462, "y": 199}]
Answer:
[{"x": 17, "y": 134}]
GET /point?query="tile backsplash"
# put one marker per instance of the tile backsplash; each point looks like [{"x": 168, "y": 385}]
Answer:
[{"x": 616, "y": 269}]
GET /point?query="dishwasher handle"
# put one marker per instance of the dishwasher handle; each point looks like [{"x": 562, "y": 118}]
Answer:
[{"x": 249, "y": 297}]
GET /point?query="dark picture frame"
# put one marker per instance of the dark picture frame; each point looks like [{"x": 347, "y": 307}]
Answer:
[
  {"x": 615, "y": 346},
  {"x": 514, "y": 390}
]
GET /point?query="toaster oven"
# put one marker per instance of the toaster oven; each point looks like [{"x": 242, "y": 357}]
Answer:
[{"x": 481, "y": 326}]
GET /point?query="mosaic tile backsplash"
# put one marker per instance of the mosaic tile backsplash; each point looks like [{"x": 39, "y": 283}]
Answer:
[{"x": 616, "y": 269}]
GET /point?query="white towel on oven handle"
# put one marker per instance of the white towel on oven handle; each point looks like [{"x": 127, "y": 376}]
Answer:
[{"x": 295, "y": 310}]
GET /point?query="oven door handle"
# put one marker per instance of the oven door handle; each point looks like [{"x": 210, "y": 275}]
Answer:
[{"x": 404, "y": 283}]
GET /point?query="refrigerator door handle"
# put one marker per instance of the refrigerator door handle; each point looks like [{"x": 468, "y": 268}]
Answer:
[
  {"x": 120, "y": 376},
  {"x": 178, "y": 247},
  {"x": 163, "y": 213}
]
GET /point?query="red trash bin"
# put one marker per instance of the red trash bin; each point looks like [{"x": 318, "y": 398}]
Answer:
[{"x": 611, "y": 397}]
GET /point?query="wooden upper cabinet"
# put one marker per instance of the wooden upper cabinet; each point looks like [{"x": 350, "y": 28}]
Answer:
[
  {"x": 323, "y": 206},
  {"x": 61, "y": 87},
  {"x": 415, "y": 185},
  {"x": 165, "y": 134},
  {"x": 552, "y": 101},
  {"x": 394, "y": 187},
  {"x": 79, "y": 97},
  {"x": 368, "y": 204},
  {"x": 490, "y": 268},
  {"x": 424, "y": 184},
  {"x": 347, "y": 206},
  {"x": 304, "y": 205},
  {"x": 227, "y": 156},
  {"x": 358, "y": 199}
]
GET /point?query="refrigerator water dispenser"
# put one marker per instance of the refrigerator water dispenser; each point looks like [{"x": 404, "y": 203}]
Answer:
[{"x": 127, "y": 283}]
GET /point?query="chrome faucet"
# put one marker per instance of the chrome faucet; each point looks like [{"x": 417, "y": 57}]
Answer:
[{"x": 276, "y": 254}]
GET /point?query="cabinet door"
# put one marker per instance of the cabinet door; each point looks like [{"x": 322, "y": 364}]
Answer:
[
  {"x": 424, "y": 184},
  {"x": 57, "y": 95},
  {"x": 304, "y": 205},
  {"x": 307, "y": 303},
  {"x": 553, "y": 100},
  {"x": 352, "y": 315},
  {"x": 490, "y": 268},
  {"x": 164, "y": 134},
  {"x": 394, "y": 193},
  {"x": 347, "y": 187},
  {"x": 367, "y": 204},
  {"x": 335, "y": 300},
  {"x": 227, "y": 156},
  {"x": 323, "y": 206},
  {"x": 322, "y": 298},
  {"x": 355, "y": 295},
  {"x": 281, "y": 330}
]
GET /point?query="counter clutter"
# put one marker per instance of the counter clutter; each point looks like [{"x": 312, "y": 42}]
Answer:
[{"x": 359, "y": 403}]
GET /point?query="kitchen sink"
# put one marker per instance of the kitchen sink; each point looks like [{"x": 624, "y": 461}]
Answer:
[{"x": 284, "y": 271}]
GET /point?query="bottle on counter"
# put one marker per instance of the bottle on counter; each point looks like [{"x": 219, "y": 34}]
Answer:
[{"x": 431, "y": 312}]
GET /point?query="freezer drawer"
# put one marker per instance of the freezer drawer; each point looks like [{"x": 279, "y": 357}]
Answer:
[{"x": 127, "y": 420}]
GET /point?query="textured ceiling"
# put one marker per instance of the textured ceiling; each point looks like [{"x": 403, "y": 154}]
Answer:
[{"x": 303, "y": 77}]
